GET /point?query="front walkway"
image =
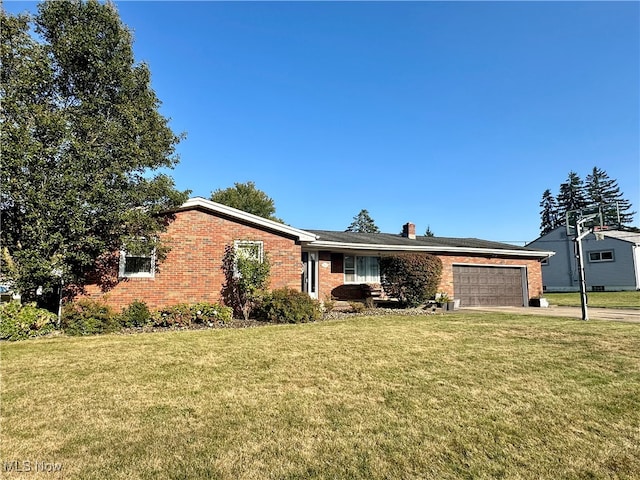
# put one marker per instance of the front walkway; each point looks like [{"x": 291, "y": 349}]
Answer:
[{"x": 614, "y": 314}]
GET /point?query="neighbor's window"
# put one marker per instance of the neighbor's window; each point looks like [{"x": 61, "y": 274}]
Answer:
[
  {"x": 249, "y": 249},
  {"x": 361, "y": 269},
  {"x": 138, "y": 265},
  {"x": 602, "y": 256}
]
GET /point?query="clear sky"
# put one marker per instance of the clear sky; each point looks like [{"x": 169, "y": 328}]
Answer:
[{"x": 452, "y": 115}]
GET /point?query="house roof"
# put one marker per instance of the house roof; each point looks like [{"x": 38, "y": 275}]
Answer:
[
  {"x": 366, "y": 241},
  {"x": 396, "y": 242},
  {"x": 625, "y": 236},
  {"x": 238, "y": 215}
]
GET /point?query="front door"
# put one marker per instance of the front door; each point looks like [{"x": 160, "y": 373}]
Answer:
[{"x": 310, "y": 273}]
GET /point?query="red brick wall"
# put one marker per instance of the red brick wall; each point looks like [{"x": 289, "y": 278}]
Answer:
[
  {"x": 331, "y": 278},
  {"x": 192, "y": 270}
]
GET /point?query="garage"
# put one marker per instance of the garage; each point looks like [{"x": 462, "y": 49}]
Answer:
[{"x": 478, "y": 286}]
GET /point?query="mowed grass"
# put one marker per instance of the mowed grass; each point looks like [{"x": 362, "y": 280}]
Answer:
[
  {"x": 597, "y": 299},
  {"x": 441, "y": 396}
]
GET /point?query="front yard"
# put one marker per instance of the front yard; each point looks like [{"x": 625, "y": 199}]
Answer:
[
  {"x": 465, "y": 395},
  {"x": 597, "y": 299}
]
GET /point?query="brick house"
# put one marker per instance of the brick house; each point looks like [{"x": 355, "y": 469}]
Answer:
[{"x": 322, "y": 263}]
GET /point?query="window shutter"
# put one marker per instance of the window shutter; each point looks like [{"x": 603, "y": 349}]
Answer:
[{"x": 337, "y": 263}]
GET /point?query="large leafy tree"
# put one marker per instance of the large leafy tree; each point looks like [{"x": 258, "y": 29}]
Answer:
[
  {"x": 604, "y": 192},
  {"x": 248, "y": 198},
  {"x": 82, "y": 140},
  {"x": 549, "y": 213},
  {"x": 363, "y": 223}
]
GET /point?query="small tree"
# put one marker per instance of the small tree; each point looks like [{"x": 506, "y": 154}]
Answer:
[
  {"x": 246, "y": 277},
  {"x": 412, "y": 278},
  {"x": 363, "y": 223},
  {"x": 428, "y": 232}
]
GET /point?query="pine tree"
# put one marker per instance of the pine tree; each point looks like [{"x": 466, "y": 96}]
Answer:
[
  {"x": 604, "y": 191},
  {"x": 428, "y": 232},
  {"x": 549, "y": 213},
  {"x": 571, "y": 196},
  {"x": 363, "y": 223}
]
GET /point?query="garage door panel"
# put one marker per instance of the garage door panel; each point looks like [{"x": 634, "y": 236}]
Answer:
[{"x": 484, "y": 286}]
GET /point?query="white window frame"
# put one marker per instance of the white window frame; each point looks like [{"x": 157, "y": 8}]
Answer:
[
  {"x": 145, "y": 274},
  {"x": 600, "y": 259},
  {"x": 355, "y": 270},
  {"x": 239, "y": 247}
]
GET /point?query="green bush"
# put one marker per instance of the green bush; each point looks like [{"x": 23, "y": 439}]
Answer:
[
  {"x": 211, "y": 312},
  {"x": 357, "y": 307},
  {"x": 137, "y": 314},
  {"x": 285, "y": 305},
  {"x": 184, "y": 315},
  {"x": 412, "y": 278},
  {"x": 18, "y": 322},
  {"x": 89, "y": 317}
]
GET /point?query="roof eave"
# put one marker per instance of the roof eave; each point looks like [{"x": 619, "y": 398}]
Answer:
[
  {"x": 430, "y": 249},
  {"x": 199, "y": 202}
]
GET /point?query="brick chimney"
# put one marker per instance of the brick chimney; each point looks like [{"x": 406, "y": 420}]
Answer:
[{"x": 409, "y": 230}]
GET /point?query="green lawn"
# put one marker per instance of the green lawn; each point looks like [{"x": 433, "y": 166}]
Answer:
[
  {"x": 468, "y": 395},
  {"x": 597, "y": 299}
]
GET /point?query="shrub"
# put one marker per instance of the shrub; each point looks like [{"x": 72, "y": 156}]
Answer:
[
  {"x": 328, "y": 304},
  {"x": 18, "y": 322},
  {"x": 357, "y": 307},
  {"x": 175, "y": 316},
  {"x": 246, "y": 273},
  {"x": 137, "y": 314},
  {"x": 89, "y": 317},
  {"x": 285, "y": 305},
  {"x": 211, "y": 312},
  {"x": 184, "y": 315},
  {"x": 412, "y": 278}
]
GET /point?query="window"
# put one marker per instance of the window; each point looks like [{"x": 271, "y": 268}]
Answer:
[
  {"x": 249, "y": 249},
  {"x": 137, "y": 266},
  {"x": 602, "y": 256},
  {"x": 361, "y": 269}
]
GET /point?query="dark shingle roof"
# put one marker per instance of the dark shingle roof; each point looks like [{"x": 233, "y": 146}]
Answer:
[{"x": 390, "y": 239}]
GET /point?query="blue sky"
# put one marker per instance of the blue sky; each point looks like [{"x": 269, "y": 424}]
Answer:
[{"x": 451, "y": 115}]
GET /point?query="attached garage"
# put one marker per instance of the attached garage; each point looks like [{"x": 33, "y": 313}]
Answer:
[{"x": 478, "y": 286}]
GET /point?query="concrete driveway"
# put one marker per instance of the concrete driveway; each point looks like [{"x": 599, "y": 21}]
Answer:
[{"x": 613, "y": 314}]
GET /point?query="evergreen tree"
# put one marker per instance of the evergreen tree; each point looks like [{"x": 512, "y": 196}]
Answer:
[
  {"x": 363, "y": 223},
  {"x": 428, "y": 232},
  {"x": 246, "y": 197},
  {"x": 571, "y": 196},
  {"x": 604, "y": 191},
  {"x": 549, "y": 213},
  {"x": 82, "y": 139}
]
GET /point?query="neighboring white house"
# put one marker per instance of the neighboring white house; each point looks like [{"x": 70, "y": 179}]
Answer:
[{"x": 610, "y": 264}]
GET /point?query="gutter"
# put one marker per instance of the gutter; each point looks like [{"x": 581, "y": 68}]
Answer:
[{"x": 421, "y": 248}]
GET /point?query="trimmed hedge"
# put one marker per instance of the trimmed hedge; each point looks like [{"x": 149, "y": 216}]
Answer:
[
  {"x": 412, "y": 278},
  {"x": 18, "y": 322},
  {"x": 89, "y": 317},
  {"x": 285, "y": 305}
]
